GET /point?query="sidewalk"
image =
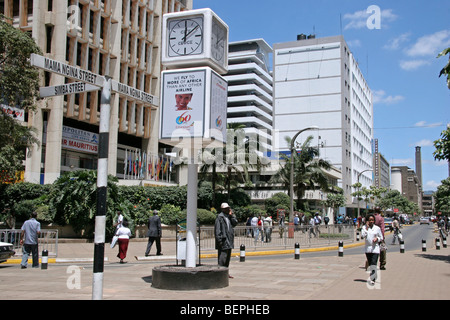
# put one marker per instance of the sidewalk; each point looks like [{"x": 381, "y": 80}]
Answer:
[{"x": 412, "y": 275}]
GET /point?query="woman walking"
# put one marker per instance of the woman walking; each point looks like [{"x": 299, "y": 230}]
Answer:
[
  {"x": 124, "y": 234},
  {"x": 373, "y": 236}
]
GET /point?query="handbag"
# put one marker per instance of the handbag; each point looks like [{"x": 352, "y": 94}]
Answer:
[
  {"x": 400, "y": 236},
  {"x": 114, "y": 241}
]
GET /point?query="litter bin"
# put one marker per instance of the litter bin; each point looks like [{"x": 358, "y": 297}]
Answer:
[{"x": 181, "y": 250}]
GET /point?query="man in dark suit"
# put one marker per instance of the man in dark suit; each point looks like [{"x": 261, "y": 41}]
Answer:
[
  {"x": 154, "y": 234},
  {"x": 224, "y": 234}
]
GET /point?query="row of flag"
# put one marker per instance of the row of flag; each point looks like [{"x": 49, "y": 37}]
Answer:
[{"x": 141, "y": 165}]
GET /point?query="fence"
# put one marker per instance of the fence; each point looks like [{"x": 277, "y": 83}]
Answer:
[
  {"x": 48, "y": 240},
  {"x": 284, "y": 237}
]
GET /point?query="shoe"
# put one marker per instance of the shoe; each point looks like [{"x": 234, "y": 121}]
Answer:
[
  {"x": 231, "y": 277},
  {"x": 159, "y": 254},
  {"x": 23, "y": 267},
  {"x": 382, "y": 268}
]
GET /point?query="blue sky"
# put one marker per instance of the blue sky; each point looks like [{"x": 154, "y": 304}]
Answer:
[{"x": 398, "y": 60}]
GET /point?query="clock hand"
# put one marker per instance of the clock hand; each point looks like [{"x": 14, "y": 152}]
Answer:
[
  {"x": 185, "y": 31},
  {"x": 186, "y": 35}
]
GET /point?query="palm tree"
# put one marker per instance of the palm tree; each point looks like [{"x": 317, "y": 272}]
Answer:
[
  {"x": 237, "y": 156},
  {"x": 309, "y": 170}
]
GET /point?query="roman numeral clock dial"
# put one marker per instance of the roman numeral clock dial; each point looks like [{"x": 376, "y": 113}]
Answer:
[{"x": 185, "y": 37}]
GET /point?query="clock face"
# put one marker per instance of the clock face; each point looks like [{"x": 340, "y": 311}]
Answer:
[
  {"x": 218, "y": 41},
  {"x": 185, "y": 36}
]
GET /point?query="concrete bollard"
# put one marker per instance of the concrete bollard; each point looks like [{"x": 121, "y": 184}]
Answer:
[
  {"x": 424, "y": 245},
  {"x": 44, "y": 260},
  {"x": 438, "y": 244},
  {"x": 444, "y": 242},
  {"x": 402, "y": 246},
  {"x": 297, "y": 251},
  {"x": 341, "y": 249},
  {"x": 242, "y": 255},
  {"x": 357, "y": 235}
]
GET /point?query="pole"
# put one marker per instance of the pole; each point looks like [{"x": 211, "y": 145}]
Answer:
[
  {"x": 102, "y": 183},
  {"x": 291, "y": 177},
  {"x": 191, "y": 219}
]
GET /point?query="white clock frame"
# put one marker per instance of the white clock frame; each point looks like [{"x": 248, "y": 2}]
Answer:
[{"x": 197, "y": 58}]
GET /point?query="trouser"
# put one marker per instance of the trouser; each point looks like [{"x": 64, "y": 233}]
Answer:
[
  {"x": 150, "y": 243},
  {"x": 123, "y": 248},
  {"x": 372, "y": 259},
  {"x": 223, "y": 257},
  {"x": 27, "y": 249}
]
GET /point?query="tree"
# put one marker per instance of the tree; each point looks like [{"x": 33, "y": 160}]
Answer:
[
  {"x": 309, "y": 171},
  {"x": 446, "y": 69},
  {"x": 394, "y": 199},
  {"x": 442, "y": 146},
  {"x": 442, "y": 197},
  {"x": 19, "y": 87}
]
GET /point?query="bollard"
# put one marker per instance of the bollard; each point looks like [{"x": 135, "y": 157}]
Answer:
[
  {"x": 424, "y": 245},
  {"x": 242, "y": 256},
  {"x": 297, "y": 251},
  {"x": 341, "y": 249},
  {"x": 357, "y": 235},
  {"x": 44, "y": 260},
  {"x": 402, "y": 246},
  {"x": 444, "y": 242},
  {"x": 438, "y": 244}
]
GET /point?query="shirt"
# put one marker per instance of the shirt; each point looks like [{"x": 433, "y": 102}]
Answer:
[
  {"x": 31, "y": 228},
  {"x": 369, "y": 234},
  {"x": 124, "y": 233}
]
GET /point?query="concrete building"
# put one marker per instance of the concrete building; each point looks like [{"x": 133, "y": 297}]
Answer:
[
  {"x": 428, "y": 203},
  {"x": 250, "y": 90},
  {"x": 317, "y": 82},
  {"x": 381, "y": 168},
  {"x": 406, "y": 181},
  {"x": 121, "y": 39}
]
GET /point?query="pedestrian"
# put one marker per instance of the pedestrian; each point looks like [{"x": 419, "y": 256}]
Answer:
[
  {"x": 31, "y": 229},
  {"x": 154, "y": 234},
  {"x": 268, "y": 228},
  {"x": 312, "y": 228},
  {"x": 296, "y": 222},
  {"x": 379, "y": 222},
  {"x": 119, "y": 221},
  {"x": 224, "y": 234},
  {"x": 317, "y": 222},
  {"x": 124, "y": 234},
  {"x": 326, "y": 220},
  {"x": 396, "y": 226},
  {"x": 373, "y": 238}
]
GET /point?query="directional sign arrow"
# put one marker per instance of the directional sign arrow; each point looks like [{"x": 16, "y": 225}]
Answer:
[
  {"x": 134, "y": 93},
  {"x": 68, "y": 88}
]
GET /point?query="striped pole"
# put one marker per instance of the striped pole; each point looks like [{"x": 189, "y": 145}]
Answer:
[
  {"x": 242, "y": 255},
  {"x": 444, "y": 241},
  {"x": 102, "y": 183},
  {"x": 438, "y": 244},
  {"x": 341, "y": 249},
  {"x": 402, "y": 246},
  {"x": 297, "y": 251},
  {"x": 424, "y": 245},
  {"x": 44, "y": 260}
]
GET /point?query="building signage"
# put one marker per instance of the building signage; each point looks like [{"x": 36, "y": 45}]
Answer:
[
  {"x": 76, "y": 139},
  {"x": 66, "y": 70},
  {"x": 16, "y": 113}
]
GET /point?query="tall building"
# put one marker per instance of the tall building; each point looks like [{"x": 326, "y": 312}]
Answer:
[
  {"x": 381, "y": 169},
  {"x": 406, "y": 181},
  {"x": 250, "y": 89},
  {"x": 317, "y": 82},
  {"x": 116, "y": 38}
]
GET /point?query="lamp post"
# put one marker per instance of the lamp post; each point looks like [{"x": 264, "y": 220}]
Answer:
[
  {"x": 291, "y": 178},
  {"x": 359, "y": 188}
]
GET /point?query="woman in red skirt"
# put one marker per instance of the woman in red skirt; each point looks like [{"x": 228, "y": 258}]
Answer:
[{"x": 124, "y": 234}]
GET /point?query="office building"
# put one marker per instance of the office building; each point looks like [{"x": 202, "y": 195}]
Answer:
[
  {"x": 120, "y": 39},
  {"x": 317, "y": 82}
]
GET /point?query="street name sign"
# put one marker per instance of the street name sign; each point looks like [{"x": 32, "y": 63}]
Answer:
[
  {"x": 133, "y": 93},
  {"x": 65, "y": 89},
  {"x": 66, "y": 70}
]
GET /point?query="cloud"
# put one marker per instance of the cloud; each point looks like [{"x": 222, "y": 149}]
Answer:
[
  {"x": 430, "y": 45},
  {"x": 380, "y": 97},
  {"x": 423, "y": 143},
  {"x": 431, "y": 185},
  {"x": 428, "y": 125},
  {"x": 402, "y": 162},
  {"x": 395, "y": 43},
  {"x": 413, "y": 64},
  {"x": 358, "y": 19}
]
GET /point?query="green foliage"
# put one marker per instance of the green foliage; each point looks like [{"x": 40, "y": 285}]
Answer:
[
  {"x": 279, "y": 200},
  {"x": 394, "y": 199},
  {"x": 243, "y": 213},
  {"x": 442, "y": 146},
  {"x": 171, "y": 214},
  {"x": 446, "y": 69},
  {"x": 442, "y": 197}
]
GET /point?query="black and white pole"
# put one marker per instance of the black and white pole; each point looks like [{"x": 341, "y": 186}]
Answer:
[
  {"x": 402, "y": 246},
  {"x": 341, "y": 249},
  {"x": 297, "y": 251},
  {"x": 438, "y": 244},
  {"x": 444, "y": 241},
  {"x": 102, "y": 184},
  {"x": 357, "y": 235},
  {"x": 242, "y": 253},
  {"x": 44, "y": 260},
  {"x": 424, "y": 245}
]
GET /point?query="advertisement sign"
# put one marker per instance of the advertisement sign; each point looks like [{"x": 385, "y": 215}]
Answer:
[
  {"x": 193, "y": 105},
  {"x": 183, "y": 103}
]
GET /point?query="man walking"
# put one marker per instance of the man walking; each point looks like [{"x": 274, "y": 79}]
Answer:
[
  {"x": 224, "y": 234},
  {"x": 379, "y": 221},
  {"x": 31, "y": 230},
  {"x": 154, "y": 234}
]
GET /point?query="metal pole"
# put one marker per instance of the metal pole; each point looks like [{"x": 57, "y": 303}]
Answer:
[
  {"x": 102, "y": 183},
  {"x": 191, "y": 219},
  {"x": 291, "y": 178}
]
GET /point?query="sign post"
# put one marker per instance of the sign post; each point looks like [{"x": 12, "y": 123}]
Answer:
[{"x": 89, "y": 81}]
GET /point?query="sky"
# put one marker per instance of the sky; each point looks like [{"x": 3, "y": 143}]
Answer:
[{"x": 397, "y": 53}]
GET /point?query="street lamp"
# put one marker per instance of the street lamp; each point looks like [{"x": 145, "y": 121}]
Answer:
[
  {"x": 359, "y": 188},
  {"x": 291, "y": 178}
]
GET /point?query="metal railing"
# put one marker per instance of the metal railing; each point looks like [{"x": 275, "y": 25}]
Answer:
[
  {"x": 283, "y": 237},
  {"x": 48, "y": 240}
]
